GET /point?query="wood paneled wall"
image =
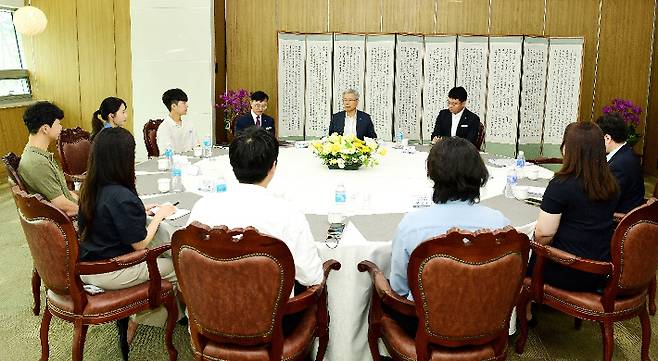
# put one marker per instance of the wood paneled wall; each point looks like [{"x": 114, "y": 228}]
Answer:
[
  {"x": 618, "y": 37},
  {"x": 82, "y": 57}
]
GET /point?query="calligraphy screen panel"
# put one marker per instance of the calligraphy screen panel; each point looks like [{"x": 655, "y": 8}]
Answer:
[
  {"x": 349, "y": 67},
  {"x": 380, "y": 72},
  {"x": 440, "y": 72},
  {"x": 563, "y": 86},
  {"x": 319, "y": 49},
  {"x": 533, "y": 90},
  {"x": 472, "y": 53},
  {"x": 408, "y": 85},
  {"x": 292, "y": 57},
  {"x": 503, "y": 89}
]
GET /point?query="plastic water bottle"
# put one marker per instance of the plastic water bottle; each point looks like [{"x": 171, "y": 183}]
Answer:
[
  {"x": 176, "y": 178},
  {"x": 220, "y": 184},
  {"x": 340, "y": 203},
  {"x": 207, "y": 147},
  {"x": 520, "y": 164},
  {"x": 511, "y": 182},
  {"x": 400, "y": 137},
  {"x": 169, "y": 154}
]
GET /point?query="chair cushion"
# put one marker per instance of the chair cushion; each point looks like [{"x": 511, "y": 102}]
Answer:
[
  {"x": 108, "y": 305},
  {"x": 587, "y": 302},
  {"x": 403, "y": 345},
  {"x": 295, "y": 345}
]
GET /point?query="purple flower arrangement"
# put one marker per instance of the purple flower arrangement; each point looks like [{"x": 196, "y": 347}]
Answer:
[
  {"x": 233, "y": 103},
  {"x": 630, "y": 113}
]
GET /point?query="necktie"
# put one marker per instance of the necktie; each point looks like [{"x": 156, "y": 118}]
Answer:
[{"x": 258, "y": 121}]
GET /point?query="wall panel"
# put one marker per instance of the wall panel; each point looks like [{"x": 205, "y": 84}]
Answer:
[
  {"x": 650, "y": 161},
  {"x": 354, "y": 16},
  {"x": 513, "y": 17},
  {"x": 465, "y": 17},
  {"x": 621, "y": 75},
  {"x": 220, "y": 61},
  {"x": 123, "y": 57},
  {"x": 577, "y": 18},
  {"x": 314, "y": 20},
  {"x": 399, "y": 17}
]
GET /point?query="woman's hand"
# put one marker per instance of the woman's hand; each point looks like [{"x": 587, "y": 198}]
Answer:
[
  {"x": 165, "y": 210},
  {"x": 149, "y": 207}
]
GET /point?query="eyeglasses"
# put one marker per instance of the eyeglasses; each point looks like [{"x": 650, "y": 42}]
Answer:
[
  {"x": 259, "y": 105},
  {"x": 452, "y": 102},
  {"x": 350, "y": 100}
]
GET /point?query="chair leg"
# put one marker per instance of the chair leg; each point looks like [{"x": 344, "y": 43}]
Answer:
[
  {"x": 122, "y": 328},
  {"x": 652, "y": 297},
  {"x": 646, "y": 333},
  {"x": 79, "y": 340},
  {"x": 607, "y": 329},
  {"x": 36, "y": 291},
  {"x": 45, "y": 326},
  {"x": 373, "y": 343},
  {"x": 322, "y": 345},
  {"x": 172, "y": 316},
  {"x": 577, "y": 323},
  {"x": 521, "y": 308}
]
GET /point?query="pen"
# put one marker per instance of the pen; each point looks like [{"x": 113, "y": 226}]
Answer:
[{"x": 175, "y": 204}]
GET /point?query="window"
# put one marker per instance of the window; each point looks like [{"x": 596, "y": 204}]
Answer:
[{"x": 14, "y": 78}]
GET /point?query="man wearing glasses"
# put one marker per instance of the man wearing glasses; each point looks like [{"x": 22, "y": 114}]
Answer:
[
  {"x": 456, "y": 121},
  {"x": 256, "y": 117},
  {"x": 352, "y": 121}
]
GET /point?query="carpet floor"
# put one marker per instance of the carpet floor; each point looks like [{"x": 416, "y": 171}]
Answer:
[{"x": 553, "y": 339}]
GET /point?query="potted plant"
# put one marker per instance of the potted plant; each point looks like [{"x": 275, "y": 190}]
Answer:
[
  {"x": 233, "y": 103},
  {"x": 347, "y": 152},
  {"x": 630, "y": 113}
]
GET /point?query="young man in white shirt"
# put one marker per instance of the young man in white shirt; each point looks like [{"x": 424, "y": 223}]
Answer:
[
  {"x": 456, "y": 120},
  {"x": 174, "y": 132},
  {"x": 253, "y": 156}
]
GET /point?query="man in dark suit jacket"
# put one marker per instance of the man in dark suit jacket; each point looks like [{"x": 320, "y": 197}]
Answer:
[
  {"x": 623, "y": 162},
  {"x": 352, "y": 121},
  {"x": 456, "y": 120},
  {"x": 256, "y": 116}
]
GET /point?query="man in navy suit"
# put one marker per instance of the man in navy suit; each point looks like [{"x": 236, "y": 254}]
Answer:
[
  {"x": 456, "y": 121},
  {"x": 256, "y": 116},
  {"x": 352, "y": 121},
  {"x": 623, "y": 162}
]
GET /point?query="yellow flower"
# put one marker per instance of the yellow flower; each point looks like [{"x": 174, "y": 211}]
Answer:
[{"x": 382, "y": 151}]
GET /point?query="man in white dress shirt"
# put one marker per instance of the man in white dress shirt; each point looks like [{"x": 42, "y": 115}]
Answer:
[
  {"x": 352, "y": 121},
  {"x": 457, "y": 121},
  {"x": 174, "y": 132},
  {"x": 253, "y": 156}
]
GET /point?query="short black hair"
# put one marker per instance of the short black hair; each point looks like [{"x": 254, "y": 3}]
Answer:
[
  {"x": 41, "y": 113},
  {"x": 458, "y": 172},
  {"x": 173, "y": 96},
  {"x": 458, "y": 92},
  {"x": 252, "y": 154},
  {"x": 259, "y": 96},
  {"x": 613, "y": 125}
]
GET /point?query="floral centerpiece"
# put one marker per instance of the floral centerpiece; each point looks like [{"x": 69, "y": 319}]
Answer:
[
  {"x": 630, "y": 113},
  {"x": 233, "y": 103},
  {"x": 347, "y": 152}
]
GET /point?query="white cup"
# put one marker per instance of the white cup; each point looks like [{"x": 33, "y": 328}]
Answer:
[
  {"x": 520, "y": 192},
  {"x": 163, "y": 164},
  {"x": 198, "y": 151},
  {"x": 164, "y": 185},
  {"x": 532, "y": 173},
  {"x": 405, "y": 142}
]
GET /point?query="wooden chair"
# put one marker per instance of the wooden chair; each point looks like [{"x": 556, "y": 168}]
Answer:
[
  {"x": 465, "y": 286},
  {"x": 74, "y": 146},
  {"x": 53, "y": 245},
  {"x": 634, "y": 251},
  {"x": 480, "y": 138},
  {"x": 150, "y": 137},
  {"x": 236, "y": 285}
]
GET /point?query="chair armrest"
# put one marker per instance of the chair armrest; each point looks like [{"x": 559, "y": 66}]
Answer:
[
  {"x": 385, "y": 292},
  {"x": 311, "y": 296},
  {"x": 617, "y": 217},
  {"x": 569, "y": 260}
]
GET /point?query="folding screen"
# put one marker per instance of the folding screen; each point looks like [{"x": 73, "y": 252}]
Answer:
[
  {"x": 378, "y": 97},
  {"x": 533, "y": 95},
  {"x": 472, "y": 54},
  {"x": 318, "y": 84},
  {"x": 408, "y": 85},
  {"x": 292, "y": 58},
  {"x": 439, "y": 70},
  {"x": 349, "y": 67}
]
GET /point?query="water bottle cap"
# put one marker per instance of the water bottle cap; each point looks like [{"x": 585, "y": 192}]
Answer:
[
  {"x": 176, "y": 172},
  {"x": 521, "y": 153}
]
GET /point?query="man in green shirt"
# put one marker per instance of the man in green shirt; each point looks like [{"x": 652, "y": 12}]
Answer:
[{"x": 38, "y": 168}]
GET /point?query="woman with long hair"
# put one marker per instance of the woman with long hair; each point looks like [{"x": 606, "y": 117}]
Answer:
[
  {"x": 112, "y": 219},
  {"x": 577, "y": 209},
  {"x": 110, "y": 114}
]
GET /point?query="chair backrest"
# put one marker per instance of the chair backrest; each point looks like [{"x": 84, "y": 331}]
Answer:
[
  {"x": 544, "y": 160},
  {"x": 235, "y": 283},
  {"x": 12, "y": 162},
  {"x": 480, "y": 138},
  {"x": 465, "y": 286},
  {"x": 74, "y": 146},
  {"x": 53, "y": 244},
  {"x": 655, "y": 189},
  {"x": 150, "y": 137},
  {"x": 634, "y": 251}
]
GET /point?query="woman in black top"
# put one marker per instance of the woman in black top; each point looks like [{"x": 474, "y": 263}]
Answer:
[
  {"x": 577, "y": 208},
  {"x": 112, "y": 218}
]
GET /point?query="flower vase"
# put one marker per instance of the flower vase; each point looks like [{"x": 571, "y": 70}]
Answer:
[{"x": 351, "y": 166}]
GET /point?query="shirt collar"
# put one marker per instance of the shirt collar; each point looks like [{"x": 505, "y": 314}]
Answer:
[
  {"x": 39, "y": 151},
  {"x": 173, "y": 122},
  {"x": 458, "y": 115},
  {"x": 613, "y": 152},
  {"x": 254, "y": 115}
]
